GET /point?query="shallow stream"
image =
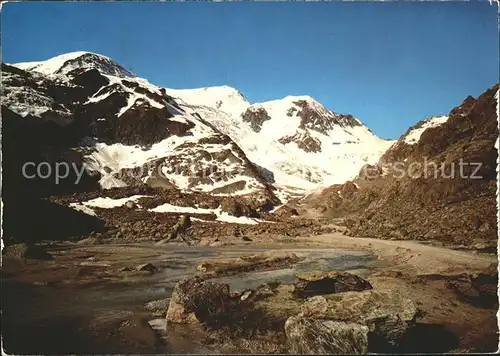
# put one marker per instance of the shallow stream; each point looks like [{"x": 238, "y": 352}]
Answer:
[{"x": 54, "y": 309}]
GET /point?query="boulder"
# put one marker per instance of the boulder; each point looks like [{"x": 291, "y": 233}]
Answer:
[
  {"x": 232, "y": 207},
  {"x": 131, "y": 204},
  {"x": 313, "y": 336},
  {"x": 239, "y": 207},
  {"x": 316, "y": 283},
  {"x": 314, "y": 306},
  {"x": 196, "y": 301},
  {"x": 348, "y": 189},
  {"x": 387, "y": 315},
  {"x": 286, "y": 211},
  {"x": 180, "y": 228}
]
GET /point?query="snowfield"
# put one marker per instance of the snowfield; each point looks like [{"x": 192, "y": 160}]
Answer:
[
  {"x": 109, "y": 203},
  {"x": 103, "y": 203},
  {"x": 221, "y": 216}
]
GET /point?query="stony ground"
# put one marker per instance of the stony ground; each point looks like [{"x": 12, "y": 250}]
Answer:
[{"x": 90, "y": 297}]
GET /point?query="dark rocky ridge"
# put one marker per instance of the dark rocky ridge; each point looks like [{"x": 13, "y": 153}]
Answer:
[
  {"x": 315, "y": 118},
  {"x": 65, "y": 117},
  {"x": 68, "y": 101},
  {"x": 26, "y": 217},
  {"x": 304, "y": 141}
]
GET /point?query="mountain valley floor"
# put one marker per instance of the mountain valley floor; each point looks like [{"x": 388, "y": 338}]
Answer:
[{"x": 89, "y": 297}]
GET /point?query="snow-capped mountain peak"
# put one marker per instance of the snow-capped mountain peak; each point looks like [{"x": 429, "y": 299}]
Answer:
[
  {"x": 224, "y": 98},
  {"x": 289, "y": 142},
  {"x": 65, "y": 63},
  {"x": 302, "y": 112}
]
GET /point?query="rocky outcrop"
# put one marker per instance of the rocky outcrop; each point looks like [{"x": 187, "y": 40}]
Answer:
[
  {"x": 341, "y": 323},
  {"x": 315, "y": 117},
  {"x": 348, "y": 190},
  {"x": 32, "y": 95},
  {"x": 144, "y": 124},
  {"x": 388, "y": 316},
  {"x": 213, "y": 162},
  {"x": 316, "y": 283},
  {"x": 286, "y": 211},
  {"x": 230, "y": 188},
  {"x": 312, "y": 336},
  {"x": 304, "y": 140},
  {"x": 196, "y": 301},
  {"x": 348, "y": 120},
  {"x": 255, "y": 117},
  {"x": 234, "y": 207},
  {"x": 90, "y": 81},
  {"x": 370, "y": 171}
]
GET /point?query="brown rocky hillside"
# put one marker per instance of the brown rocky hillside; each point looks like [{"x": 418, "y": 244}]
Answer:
[{"x": 427, "y": 204}]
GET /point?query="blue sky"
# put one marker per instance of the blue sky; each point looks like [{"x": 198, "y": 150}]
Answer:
[{"x": 389, "y": 64}]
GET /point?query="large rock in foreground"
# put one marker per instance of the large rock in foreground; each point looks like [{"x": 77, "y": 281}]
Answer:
[
  {"x": 194, "y": 300},
  {"x": 314, "y": 283},
  {"x": 313, "y": 336},
  {"x": 388, "y": 316}
]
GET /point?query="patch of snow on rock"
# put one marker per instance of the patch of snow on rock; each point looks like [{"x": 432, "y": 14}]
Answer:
[{"x": 414, "y": 136}]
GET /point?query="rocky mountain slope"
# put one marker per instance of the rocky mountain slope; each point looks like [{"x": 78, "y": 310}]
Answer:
[
  {"x": 120, "y": 111},
  {"x": 123, "y": 122},
  {"x": 437, "y": 183},
  {"x": 116, "y": 130}
]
